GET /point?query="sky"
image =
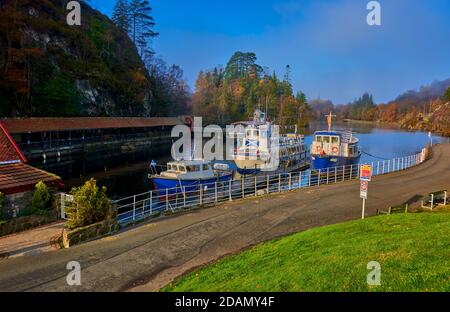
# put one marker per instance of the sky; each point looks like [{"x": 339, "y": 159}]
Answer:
[{"x": 332, "y": 51}]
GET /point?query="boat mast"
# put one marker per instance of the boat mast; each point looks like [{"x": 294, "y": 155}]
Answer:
[{"x": 329, "y": 119}]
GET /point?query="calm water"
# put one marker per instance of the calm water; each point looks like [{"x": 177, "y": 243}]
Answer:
[{"x": 382, "y": 143}]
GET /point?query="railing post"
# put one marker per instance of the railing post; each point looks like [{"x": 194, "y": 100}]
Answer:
[
  {"x": 328, "y": 175},
  {"x": 384, "y": 166},
  {"x": 151, "y": 202},
  {"x": 279, "y": 183},
  {"x": 215, "y": 192},
  {"x": 318, "y": 177},
  {"x": 230, "y": 184},
  {"x": 201, "y": 194},
  {"x": 167, "y": 199},
  {"x": 309, "y": 178},
  {"x": 268, "y": 184},
  {"x": 134, "y": 207},
  {"x": 243, "y": 187},
  {"x": 256, "y": 187},
  {"x": 300, "y": 180},
  {"x": 389, "y": 166},
  {"x": 351, "y": 171},
  {"x": 335, "y": 175},
  {"x": 378, "y": 167},
  {"x": 343, "y": 173},
  {"x": 290, "y": 181}
]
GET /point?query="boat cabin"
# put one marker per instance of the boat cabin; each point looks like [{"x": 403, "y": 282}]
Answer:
[
  {"x": 335, "y": 144},
  {"x": 189, "y": 169}
]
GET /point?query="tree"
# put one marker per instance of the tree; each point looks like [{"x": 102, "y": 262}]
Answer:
[
  {"x": 121, "y": 16},
  {"x": 41, "y": 197},
  {"x": 142, "y": 24},
  {"x": 447, "y": 95},
  {"x": 91, "y": 205}
]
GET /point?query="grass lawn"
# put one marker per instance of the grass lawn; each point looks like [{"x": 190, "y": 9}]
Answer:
[{"x": 413, "y": 250}]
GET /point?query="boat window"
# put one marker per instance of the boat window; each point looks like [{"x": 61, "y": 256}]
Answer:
[
  {"x": 335, "y": 140},
  {"x": 169, "y": 167},
  {"x": 205, "y": 167},
  {"x": 190, "y": 168},
  {"x": 182, "y": 168},
  {"x": 319, "y": 138},
  {"x": 326, "y": 139}
]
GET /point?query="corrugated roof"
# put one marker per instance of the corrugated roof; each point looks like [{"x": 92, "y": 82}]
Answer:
[
  {"x": 20, "y": 177},
  {"x": 9, "y": 152},
  {"x": 83, "y": 123}
]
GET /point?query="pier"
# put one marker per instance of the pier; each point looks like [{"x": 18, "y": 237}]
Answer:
[{"x": 152, "y": 254}]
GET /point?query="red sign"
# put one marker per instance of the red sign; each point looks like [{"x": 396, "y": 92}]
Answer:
[{"x": 365, "y": 173}]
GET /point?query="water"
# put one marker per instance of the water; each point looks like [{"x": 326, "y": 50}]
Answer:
[{"x": 380, "y": 142}]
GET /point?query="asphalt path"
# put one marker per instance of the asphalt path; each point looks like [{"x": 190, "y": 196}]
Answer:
[{"x": 148, "y": 256}]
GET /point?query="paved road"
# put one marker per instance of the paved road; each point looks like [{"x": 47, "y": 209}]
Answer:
[
  {"x": 32, "y": 242},
  {"x": 149, "y": 256}
]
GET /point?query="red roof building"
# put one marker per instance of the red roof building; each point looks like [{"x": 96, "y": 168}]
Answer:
[{"x": 15, "y": 175}]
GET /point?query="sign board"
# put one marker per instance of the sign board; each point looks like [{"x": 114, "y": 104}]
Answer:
[
  {"x": 365, "y": 173},
  {"x": 364, "y": 187}
]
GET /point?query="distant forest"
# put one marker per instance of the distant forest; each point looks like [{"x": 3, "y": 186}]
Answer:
[{"x": 425, "y": 109}]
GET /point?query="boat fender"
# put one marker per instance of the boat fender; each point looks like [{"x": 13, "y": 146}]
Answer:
[{"x": 335, "y": 150}]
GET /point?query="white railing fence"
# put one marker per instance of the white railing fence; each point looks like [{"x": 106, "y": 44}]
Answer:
[{"x": 153, "y": 203}]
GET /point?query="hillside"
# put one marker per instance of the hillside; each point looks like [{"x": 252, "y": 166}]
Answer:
[
  {"x": 48, "y": 68},
  {"x": 412, "y": 250}
]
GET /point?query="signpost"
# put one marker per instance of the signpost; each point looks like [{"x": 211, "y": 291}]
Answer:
[{"x": 365, "y": 178}]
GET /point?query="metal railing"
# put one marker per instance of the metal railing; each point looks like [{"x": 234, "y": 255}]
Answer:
[{"x": 153, "y": 203}]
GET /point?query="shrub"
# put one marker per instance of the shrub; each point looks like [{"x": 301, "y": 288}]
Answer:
[
  {"x": 91, "y": 205},
  {"x": 41, "y": 197}
]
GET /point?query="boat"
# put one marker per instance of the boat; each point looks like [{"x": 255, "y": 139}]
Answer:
[
  {"x": 256, "y": 146},
  {"x": 187, "y": 176},
  {"x": 334, "y": 148}
]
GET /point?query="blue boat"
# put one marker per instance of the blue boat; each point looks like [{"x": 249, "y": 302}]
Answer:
[
  {"x": 334, "y": 149},
  {"x": 187, "y": 176}
]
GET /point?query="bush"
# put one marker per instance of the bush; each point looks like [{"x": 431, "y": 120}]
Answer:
[
  {"x": 91, "y": 205},
  {"x": 41, "y": 197}
]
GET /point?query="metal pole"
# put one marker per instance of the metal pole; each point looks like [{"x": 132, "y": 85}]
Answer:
[
  {"x": 279, "y": 183},
  {"x": 328, "y": 175},
  {"x": 134, "y": 207},
  {"x": 383, "y": 166},
  {"x": 243, "y": 187},
  {"x": 335, "y": 174},
  {"x": 256, "y": 188},
  {"x": 290, "y": 181},
  {"x": 268, "y": 184},
  {"x": 229, "y": 186},
  {"x": 309, "y": 178},
  {"x": 215, "y": 191},
  {"x": 167, "y": 199},
  {"x": 343, "y": 173},
  {"x": 318, "y": 177},
  {"x": 351, "y": 171},
  {"x": 363, "y": 208},
  {"x": 300, "y": 180},
  {"x": 201, "y": 194},
  {"x": 151, "y": 202}
]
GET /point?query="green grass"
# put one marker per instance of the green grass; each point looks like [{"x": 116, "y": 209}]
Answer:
[{"x": 413, "y": 250}]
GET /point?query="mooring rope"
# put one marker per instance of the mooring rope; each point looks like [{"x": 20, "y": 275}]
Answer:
[{"x": 370, "y": 155}]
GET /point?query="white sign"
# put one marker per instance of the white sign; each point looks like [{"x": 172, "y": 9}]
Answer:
[{"x": 364, "y": 187}]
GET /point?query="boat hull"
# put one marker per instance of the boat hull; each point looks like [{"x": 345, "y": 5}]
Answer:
[
  {"x": 319, "y": 162},
  {"x": 171, "y": 186}
]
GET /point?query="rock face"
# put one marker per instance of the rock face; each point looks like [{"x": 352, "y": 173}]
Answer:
[{"x": 48, "y": 68}]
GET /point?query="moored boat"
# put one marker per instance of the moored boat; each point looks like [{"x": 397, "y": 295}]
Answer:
[
  {"x": 187, "y": 175},
  {"x": 334, "y": 148}
]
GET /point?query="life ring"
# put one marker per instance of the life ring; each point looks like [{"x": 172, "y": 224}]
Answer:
[
  {"x": 335, "y": 149},
  {"x": 319, "y": 149}
]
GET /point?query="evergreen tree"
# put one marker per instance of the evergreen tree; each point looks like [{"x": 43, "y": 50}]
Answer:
[
  {"x": 141, "y": 25},
  {"x": 121, "y": 16}
]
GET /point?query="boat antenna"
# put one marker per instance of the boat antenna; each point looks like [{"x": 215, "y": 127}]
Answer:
[{"x": 329, "y": 119}]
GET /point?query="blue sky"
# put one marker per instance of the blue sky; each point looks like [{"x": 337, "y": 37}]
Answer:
[{"x": 332, "y": 51}]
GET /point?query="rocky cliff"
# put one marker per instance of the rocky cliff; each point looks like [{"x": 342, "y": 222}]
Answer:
[{"x": 48, "y": 68}]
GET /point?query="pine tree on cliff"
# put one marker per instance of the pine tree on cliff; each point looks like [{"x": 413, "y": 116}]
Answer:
[
  {"x": 121, "y": 16},
  {"x": 141, "y": 22}
]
